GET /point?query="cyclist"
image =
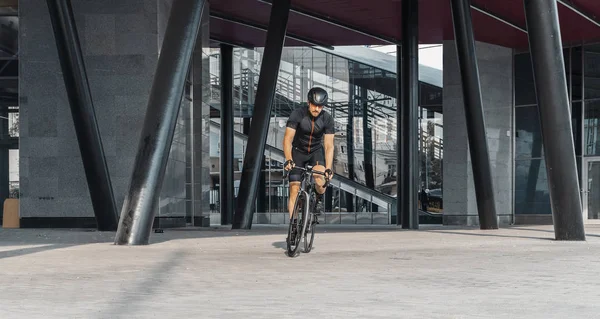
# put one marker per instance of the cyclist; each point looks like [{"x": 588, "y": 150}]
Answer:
[{"x": 308, "y": 139}]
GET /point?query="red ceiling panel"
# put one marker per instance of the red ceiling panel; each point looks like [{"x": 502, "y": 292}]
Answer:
[
  {"x": 375, "y": 16},
  {"x": 576, "y": 29},
  {"x": 383, "y": 17}
]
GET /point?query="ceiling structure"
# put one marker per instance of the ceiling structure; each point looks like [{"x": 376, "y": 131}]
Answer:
[{"x": 378, "y": 22}]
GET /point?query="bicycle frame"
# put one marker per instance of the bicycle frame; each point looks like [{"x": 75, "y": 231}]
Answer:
[{"x": 307, "y": 180}]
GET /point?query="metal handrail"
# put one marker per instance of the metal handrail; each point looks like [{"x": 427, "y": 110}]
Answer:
[{"x": 341, "y": 182}]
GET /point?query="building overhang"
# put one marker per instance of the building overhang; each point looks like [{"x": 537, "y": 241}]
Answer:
[{"x": 378, "y": 22}]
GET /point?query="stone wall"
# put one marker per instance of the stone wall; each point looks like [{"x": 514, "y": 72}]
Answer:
[{"x": 495, "y": 72}]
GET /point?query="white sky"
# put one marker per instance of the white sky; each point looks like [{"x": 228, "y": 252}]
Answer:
[{"x": 430, "y": 54}]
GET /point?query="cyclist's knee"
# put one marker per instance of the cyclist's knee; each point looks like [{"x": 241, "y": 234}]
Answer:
[
  {"x": 294, "y": 186},
  {"x": 319, "y": 179}
]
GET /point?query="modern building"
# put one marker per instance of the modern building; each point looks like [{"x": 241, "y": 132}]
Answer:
[{"x": 174, "y": 111}]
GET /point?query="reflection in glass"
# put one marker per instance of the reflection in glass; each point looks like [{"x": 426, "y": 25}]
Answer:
[
  {"x": 528, "y": 138},
  {"x": 531, "y": 187},
  {"x": 576, "y": 73},
  {"x": 592, "y": 71},
  {"x": 524, "y": 84},
  {"x": 576, "y": 126},
  {"x": 363, "y": 104},
  {"x": 593, "y": 189},
  {"x": 592, "y": 127}
]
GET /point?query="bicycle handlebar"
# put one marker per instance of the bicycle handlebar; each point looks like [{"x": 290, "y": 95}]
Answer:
[{"x": 286, "y": 173}]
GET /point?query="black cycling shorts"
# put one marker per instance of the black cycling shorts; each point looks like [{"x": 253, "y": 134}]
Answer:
[{"x": 301, "y": 159}]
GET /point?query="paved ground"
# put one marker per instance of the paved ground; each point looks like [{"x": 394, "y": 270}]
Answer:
[{"x": 368, "y": 272}]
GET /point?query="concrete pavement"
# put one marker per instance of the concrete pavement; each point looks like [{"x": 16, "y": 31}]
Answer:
[{"x": 353, "y": 272}]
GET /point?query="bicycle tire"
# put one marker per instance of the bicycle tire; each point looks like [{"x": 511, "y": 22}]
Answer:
[
  {"x": 299, "y": 216},
  {"x": 307, "y": 224},
  {"x": 308, "y": 243}
]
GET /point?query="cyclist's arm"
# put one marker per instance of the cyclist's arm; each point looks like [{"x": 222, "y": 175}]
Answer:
[
  {"x": 288, "y": 138},
  {"x": 328, "y": 144},
  {"x": 290, "y": 132}
]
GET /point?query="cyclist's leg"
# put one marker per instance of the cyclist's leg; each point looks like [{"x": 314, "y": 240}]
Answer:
[
  {"x": 295, "y": 176},
  {"x": 294, "y": 187},
  {"x": 318, "y": 161}
]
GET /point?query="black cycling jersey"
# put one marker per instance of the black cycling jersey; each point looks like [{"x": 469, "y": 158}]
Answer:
[{"x": 310, "y": 130}]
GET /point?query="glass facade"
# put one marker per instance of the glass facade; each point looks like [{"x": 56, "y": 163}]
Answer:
[
  {"x": 582, "y": 69},
  {"x": 187, "y": 203},
  {"x": 363, "y": 104}
]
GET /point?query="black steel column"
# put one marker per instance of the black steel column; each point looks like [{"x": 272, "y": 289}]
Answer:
[
  {"x": 367, "y": 143},
  {"x": 265, "y": 95},
  {"x": 261, "y": 195},
  {"x": 480, "y": 161},
  {"x": 399, "y": 142},
  {"x": 329, "y": 199},
  {"x": 555, "y": 118},
  {"x": 246, "y": 126},
  {"x": 226, "y": 192},
  {"x": 164, "y": 102},
  {"x": 408, "y": 164},
  {"x": 350, "y": 137},
  {"x": 84, "y": 117},
  {"x": 4, "y": 160},
  {"x": 367, "y": 140}
]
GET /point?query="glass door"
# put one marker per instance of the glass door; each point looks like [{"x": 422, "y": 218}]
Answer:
[{"x": 591, "y": 188}]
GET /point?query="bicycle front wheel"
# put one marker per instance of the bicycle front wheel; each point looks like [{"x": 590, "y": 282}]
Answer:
[
  {"x": 309, "y": 234},
  {"x": 295, "y": 228}
]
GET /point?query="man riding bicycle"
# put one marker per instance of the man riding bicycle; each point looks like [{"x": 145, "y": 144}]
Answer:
[{"x": 308, "y": 139}]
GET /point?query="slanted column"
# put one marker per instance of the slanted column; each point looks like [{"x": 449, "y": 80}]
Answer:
[
  {"x": 141, "y": 202},
  {"x": 555, "y": 117},
  {"x": 467, "y": 60},
  {"x": 84, "y": 116},
  {"x": 265, "y": 95}
]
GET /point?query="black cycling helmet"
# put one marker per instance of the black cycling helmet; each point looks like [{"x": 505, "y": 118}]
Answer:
[{"x": 317, "y": 96}]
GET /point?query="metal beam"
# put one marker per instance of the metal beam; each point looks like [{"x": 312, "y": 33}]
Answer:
[
  {"x": 407, "y": 132},
  {"x": 471, "y": 87},
  {"x": 164, "y": 103},
  {"x": 231, "y": 43},
  {"x": 579, "y": 12},
  {"x": 555, "y": 118},
  {"x": 265, "y": 95},
  {"x": 84, "y": 116},
  {"x": 222, "y": 16},
  {"x": 329, "y": 20},
  {"x": 494, "y": 16},
  {"x": 226, "y": 191}
]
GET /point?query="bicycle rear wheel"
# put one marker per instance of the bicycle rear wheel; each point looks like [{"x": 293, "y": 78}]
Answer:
[{"x": 295, "y": 228}]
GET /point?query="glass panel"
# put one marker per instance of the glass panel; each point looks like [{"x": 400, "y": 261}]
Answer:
[
  {"x": 524, "y": 85},
  {"x": 592, "y": 71},
  {"x": 531, "y": 187},
  {"x": 567, "y": 61},
  {"x": 576, "y": 126},
  {"x": 576, "y": 73},
  {"x": 593, "y": 188},
  {"x": 528, "y": 137},
  {"x": 363, "y": 104},
  {"x": 592, "y": 127}
]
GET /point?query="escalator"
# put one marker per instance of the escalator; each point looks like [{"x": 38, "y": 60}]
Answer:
[{"x": 387, "y": 204}]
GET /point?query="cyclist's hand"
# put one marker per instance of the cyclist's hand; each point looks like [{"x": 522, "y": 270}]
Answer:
[
  {"x": 289, "y": 164},
  {"x": 328, "y": 174}
]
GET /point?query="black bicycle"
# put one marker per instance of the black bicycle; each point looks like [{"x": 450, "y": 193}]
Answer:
[{"x": 303, "y": 216}]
